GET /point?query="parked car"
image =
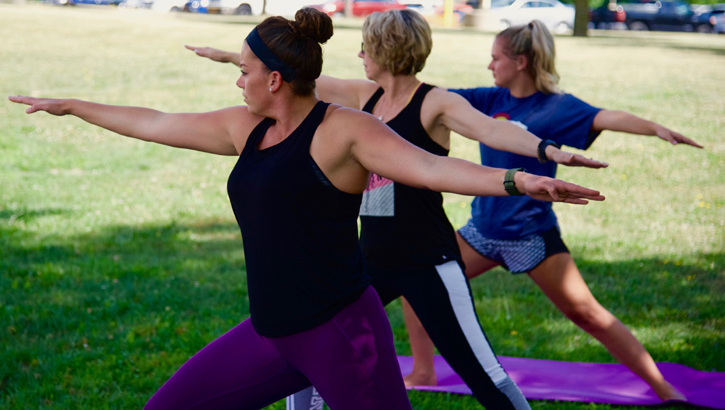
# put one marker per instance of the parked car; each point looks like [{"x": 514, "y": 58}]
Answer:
[
  {"x": 717, "y": 19},
  {"x": 197, "y": 6},
  {"x": 240, "y": 7},
  {"x": 166, "y": 6},
  {"x": 92, "y": 2},
  {"x": 436, "y": 8},
  {"x": 557, "y": 16},
  {"x": 651, "y": 15},
  {"x": 609, "y": 16},
  {"x": 707, "y": 17},
  {"x": 136, "y": 4},
  {"x": 360, "y": 8}
]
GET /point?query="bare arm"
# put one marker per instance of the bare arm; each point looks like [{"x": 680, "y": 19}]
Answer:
[
  {"x": 378, "y": 149},
  {"x": 625, "y": 122},
  {"x": 458, "y": 115},
  {"x": 348, "y": 93},
  {"x": 214, "y": 54},
  {"x": 208, "y": 132}
]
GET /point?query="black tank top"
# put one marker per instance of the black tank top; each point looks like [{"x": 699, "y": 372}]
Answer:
[
  {"x": 405, "y": 227},
  {"x": 300, "y": 233}
]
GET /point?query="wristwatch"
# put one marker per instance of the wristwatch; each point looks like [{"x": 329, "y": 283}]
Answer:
[
  {"x": 541, "y": 152},
  {"x": 508, "y": 182}
]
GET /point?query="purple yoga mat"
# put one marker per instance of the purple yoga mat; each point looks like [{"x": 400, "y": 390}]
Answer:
[{"x": 587, "y": 382}]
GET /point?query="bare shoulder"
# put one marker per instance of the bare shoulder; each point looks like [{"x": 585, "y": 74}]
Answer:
[
  {"x": 441, "y": 96},
  {"x": 436, "y": 104},
  {"x": 347, "y": 124},
  {"x": 366, "y": 88},
  {"x": 348, "y": 119},
  {"x": 240, "y": 123}
]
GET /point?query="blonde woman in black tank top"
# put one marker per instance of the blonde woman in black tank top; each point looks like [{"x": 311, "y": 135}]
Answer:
[{"x": 409, "y": 246}]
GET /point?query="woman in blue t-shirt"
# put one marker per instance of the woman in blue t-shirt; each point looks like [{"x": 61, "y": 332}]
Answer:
[{"x": 522, "y": 234}]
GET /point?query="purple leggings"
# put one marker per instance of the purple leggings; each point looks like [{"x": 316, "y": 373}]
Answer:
[{"x": 350, "y": 360}]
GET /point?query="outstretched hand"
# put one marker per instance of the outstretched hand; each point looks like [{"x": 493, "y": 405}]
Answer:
[
  {"x": 675, "y": 138},
  {"x": 49, "y": 105},
  {"x": 210, "y": 53},
  {"x": 555, "y": 190},
  {"x": 573, "y": 160}
]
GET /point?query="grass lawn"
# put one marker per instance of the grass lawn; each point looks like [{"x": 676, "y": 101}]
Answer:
[{"x": 119, "y": 259}]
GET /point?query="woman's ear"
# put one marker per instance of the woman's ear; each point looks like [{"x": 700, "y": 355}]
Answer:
[
  {"x": 521, "y": 62},
  {"x": 275, "y": 81}
]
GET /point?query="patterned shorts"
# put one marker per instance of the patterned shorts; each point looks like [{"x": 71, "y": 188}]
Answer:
[{"x": 516, "y": 255}]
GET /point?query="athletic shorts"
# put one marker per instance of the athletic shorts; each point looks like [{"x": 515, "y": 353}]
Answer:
[{"x": 516, "y": 255}]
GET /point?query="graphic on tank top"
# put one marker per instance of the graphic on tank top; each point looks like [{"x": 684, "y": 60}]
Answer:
[
  {"x": 379, "y": 197},
  {"x": 505, "y": 117}
]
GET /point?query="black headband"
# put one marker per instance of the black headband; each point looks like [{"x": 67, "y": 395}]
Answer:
[{"x": 268, "y": 57}]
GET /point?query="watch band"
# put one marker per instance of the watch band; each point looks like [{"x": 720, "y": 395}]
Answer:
[
  {"x": 541, "y": 152},
  {"x": 508, "y": 182}
]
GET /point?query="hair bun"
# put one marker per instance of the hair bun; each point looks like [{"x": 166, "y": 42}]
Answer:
[{"x": 313, "y": 24}]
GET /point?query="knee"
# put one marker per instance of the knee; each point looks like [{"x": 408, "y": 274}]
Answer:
[{"x": 590, "y": 316}]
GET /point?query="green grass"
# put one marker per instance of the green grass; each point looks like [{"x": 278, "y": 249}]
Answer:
[{"x": 119, "y": 259}]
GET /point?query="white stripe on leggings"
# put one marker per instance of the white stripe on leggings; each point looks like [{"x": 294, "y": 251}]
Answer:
[
  {"x": 290, "y": 402},
  {"x": 455, "y": 282}
]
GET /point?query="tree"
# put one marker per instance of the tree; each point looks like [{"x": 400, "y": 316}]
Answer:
[{"x": 581, "y": 20}]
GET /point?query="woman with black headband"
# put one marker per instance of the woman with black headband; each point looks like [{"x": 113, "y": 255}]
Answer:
[{"x": 296, "y": 191}]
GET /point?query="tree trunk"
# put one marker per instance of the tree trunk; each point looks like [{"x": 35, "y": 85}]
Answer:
[
  {"x": 348, "y": 8},
  {"x": 581, "y": 21}
]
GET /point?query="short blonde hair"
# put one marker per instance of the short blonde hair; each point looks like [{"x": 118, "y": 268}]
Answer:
[
  {"x": 398, "y": 40},
  {"x": 534, "y": 41}
]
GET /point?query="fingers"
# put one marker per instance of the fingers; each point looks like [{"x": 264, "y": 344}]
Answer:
[
  {"x": 193, "y": 48},
  {"x": 575, "y": 201},
  {"x": 578, "y": 190},
  {"x": 582, "y": 161},
  {"x": 553, "y": 192},
  {"x": 21, "y": 100},
  {"x": 681, "y": 138}
]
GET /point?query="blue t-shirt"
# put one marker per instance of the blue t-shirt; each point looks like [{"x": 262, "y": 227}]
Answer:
[{"x": 562, "y": 118}]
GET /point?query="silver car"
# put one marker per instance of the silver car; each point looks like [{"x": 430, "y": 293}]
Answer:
[{"x": 557, "y": 16}]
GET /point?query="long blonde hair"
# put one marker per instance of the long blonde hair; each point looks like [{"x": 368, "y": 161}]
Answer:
[{"x": 535, "y": 42}]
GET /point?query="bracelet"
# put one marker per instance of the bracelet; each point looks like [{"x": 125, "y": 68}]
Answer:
[
  {"x": 508, "y": 182},
  {"x": 541, "y": 151}
]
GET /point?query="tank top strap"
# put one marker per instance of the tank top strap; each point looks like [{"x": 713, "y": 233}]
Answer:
[
  {"x": 311, "y": 122},
  {"x": 370, "y": 105},
  {"x": 256, "y": 135},
  {"x": 417, "y": 101}
]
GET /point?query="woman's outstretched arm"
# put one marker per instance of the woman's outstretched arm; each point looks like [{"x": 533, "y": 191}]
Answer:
[
  {"x": 348, "y": 93},
  {"x": 458, "y": 115},
  {"x": 625, "y": 122},
  {"x": 208, "y": 132},
  {"x": 220, "y": 56},
  {"x": 380, "y": 150}
]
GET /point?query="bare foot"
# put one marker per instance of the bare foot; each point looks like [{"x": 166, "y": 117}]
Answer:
[
  {"x": 669, "y": 392},
  {"x": 420, "y": 379}
]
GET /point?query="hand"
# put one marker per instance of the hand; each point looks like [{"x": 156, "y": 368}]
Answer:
[
  {"x": 572, "y": 160},
  {"x": 674, "y": 138},
  {"x": 554, "y": 190},
  {"x": 49, "y": 105},
  {"x": 210, "y": 53}
]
